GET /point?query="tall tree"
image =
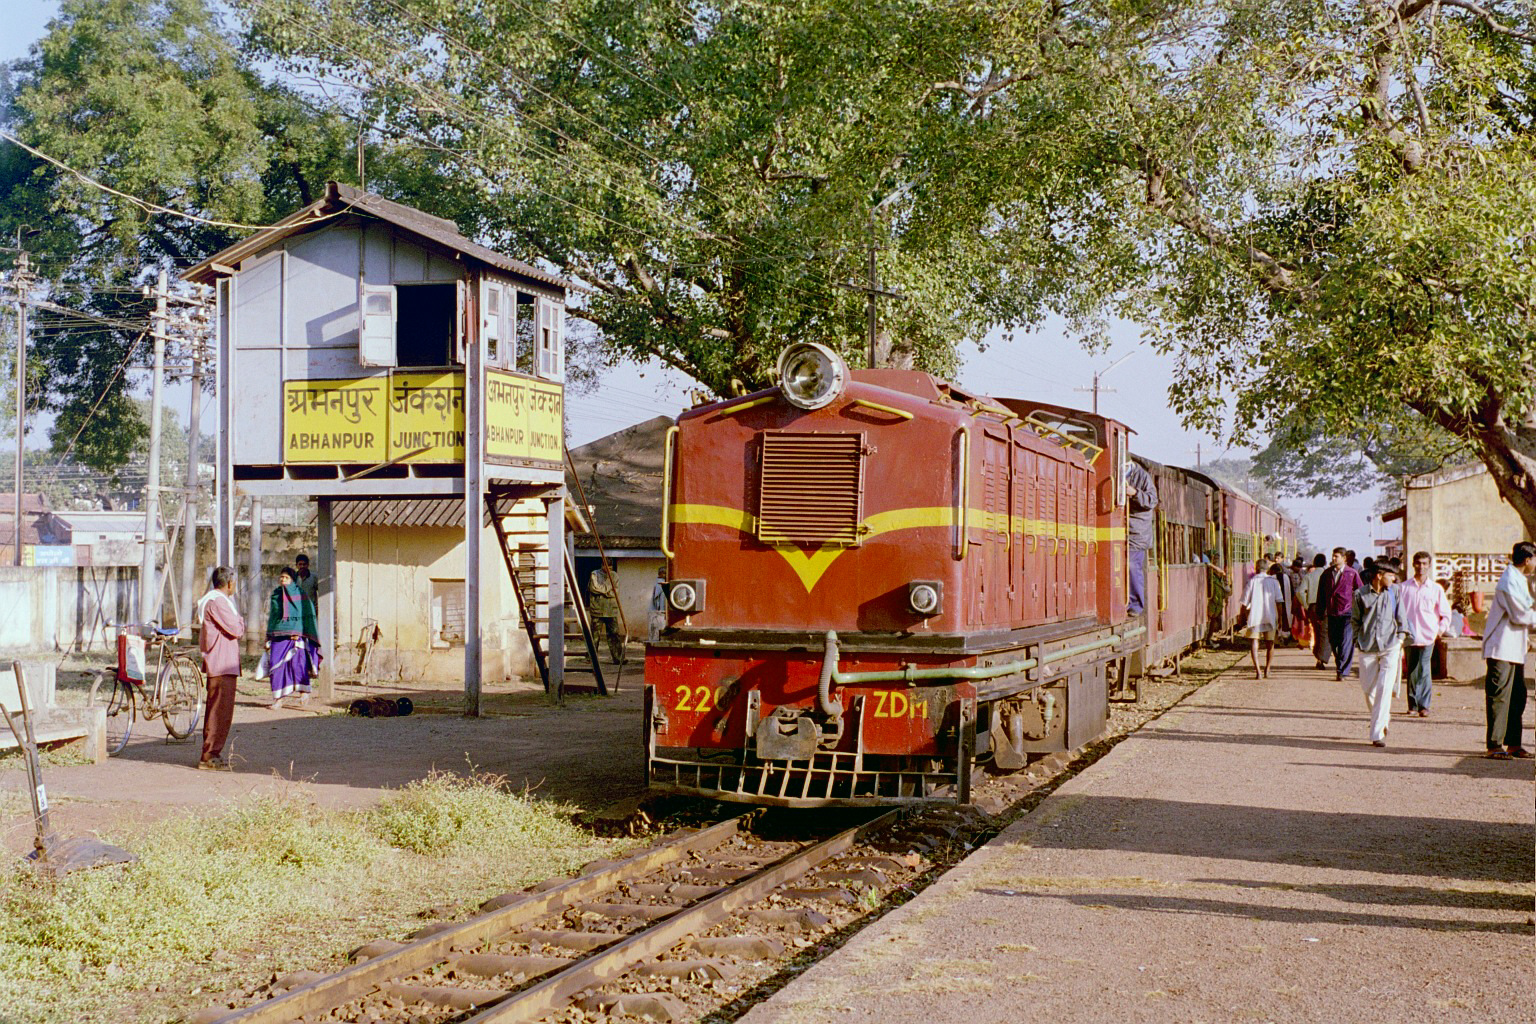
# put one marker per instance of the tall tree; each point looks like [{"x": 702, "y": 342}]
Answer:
[
  {"x": 719, "y": 173},
  {"x": 1323, "y": 207},
  {"x": 155, "y": 100},
  {"x": 1339, "y": 200}
]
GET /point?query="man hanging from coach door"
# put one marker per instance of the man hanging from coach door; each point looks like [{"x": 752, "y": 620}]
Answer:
[{"x": 1141, "y": 496}]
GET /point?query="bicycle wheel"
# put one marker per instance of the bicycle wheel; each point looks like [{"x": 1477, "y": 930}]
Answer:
[
  {"x": 118, "y": 697},
  {"x": 180, "y": 693}
]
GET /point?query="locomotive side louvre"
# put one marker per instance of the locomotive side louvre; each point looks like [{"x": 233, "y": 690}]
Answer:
[{"x": 803, "y": 672}]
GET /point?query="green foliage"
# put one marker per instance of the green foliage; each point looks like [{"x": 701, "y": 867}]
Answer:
[
  {"x": 156, "y": 99},
  {"x": 717, "y": 173},
  {"x": 443, "y": 812}
]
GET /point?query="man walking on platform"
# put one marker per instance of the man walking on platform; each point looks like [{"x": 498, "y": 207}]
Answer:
[
  {"x": 1335, "y": 601},
  {"x": 1427, "y": 614},
  {"x": 1505, "y": 644},
  {"x": 1379, "y": 628},
  {"x": 1309, "y": 583}
]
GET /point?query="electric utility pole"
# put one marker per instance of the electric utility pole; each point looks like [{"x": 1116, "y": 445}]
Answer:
[
  {"x": 148, "y": 592},
  {"x": 197, "y": 321},
  {"x": 1099, "y": 374},
  {"x": 22, "y": 281},
  {"x": 1197, "y": 452},
  {"x": 874, "y": 291}
]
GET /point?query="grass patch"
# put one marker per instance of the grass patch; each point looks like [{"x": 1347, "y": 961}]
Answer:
[{"x": 218, "y": 903}]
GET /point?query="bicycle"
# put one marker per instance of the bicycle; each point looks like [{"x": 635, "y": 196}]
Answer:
[{"x": 175, "y": 698}]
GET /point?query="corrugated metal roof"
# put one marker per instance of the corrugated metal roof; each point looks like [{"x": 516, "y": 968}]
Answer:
[
  {"x": 621, "y": 475},
  {"x": 441, "y": 512},
  {"x": 340, "y": 199}
]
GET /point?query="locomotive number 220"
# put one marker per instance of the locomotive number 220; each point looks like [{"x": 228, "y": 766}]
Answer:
[{"x": 699, "y": 698}]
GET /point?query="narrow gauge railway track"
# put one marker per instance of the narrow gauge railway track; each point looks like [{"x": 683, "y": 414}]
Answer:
[{"x": 621, "y": 935}]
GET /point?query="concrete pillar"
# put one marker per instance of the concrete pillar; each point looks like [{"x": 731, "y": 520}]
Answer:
[{"x": 325, "y": 611}]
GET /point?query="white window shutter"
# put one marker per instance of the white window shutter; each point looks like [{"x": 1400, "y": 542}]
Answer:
[
  {"x": 376, "y": 327},
  {"x": 551, "y": 341},
  {"x": 490, "y": 323}
]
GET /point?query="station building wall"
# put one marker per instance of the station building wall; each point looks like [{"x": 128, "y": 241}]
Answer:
[
  {"x": 406, "y": 579},
  {"x": 1457, "y": 515}
]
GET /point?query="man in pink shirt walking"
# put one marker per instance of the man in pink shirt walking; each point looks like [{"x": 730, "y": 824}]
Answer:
[{"x": 1427, "y": 614}]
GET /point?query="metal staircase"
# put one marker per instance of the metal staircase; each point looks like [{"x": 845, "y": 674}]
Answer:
[{"x": 580, "y": 645}]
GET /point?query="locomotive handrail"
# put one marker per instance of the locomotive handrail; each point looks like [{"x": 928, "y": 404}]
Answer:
[
  {"x": 1090, "y": 449},
  {"x": 666, "y": 490},
  {"x": 866, "y": 403},
  {"x": 963, "y": 482},
  {"x": 909, "y": 674}
]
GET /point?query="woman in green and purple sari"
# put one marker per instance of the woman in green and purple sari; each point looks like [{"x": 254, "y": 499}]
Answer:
[{"x": 293, "y": 641}]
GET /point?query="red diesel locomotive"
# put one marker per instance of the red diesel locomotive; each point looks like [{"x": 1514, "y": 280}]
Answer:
[{"x": 878, "y": 581}]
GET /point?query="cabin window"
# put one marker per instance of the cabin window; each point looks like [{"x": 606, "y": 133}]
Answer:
[
  {"x": 425, "y": 318},
  {"x": 495, "y": 354},
  {"x": 551, "y": 341},
  {"x": 526, "y": 331},
  {"x": 376, "y": 336}
]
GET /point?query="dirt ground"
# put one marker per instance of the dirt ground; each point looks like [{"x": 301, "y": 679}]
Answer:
[{"x": 586, "y": 752}]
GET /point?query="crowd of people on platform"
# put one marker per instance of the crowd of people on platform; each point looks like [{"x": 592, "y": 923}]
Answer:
[{"x": 1380, "y": 624}]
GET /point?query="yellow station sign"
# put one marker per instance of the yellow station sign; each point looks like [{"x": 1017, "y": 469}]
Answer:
[
  {"x": 426, "y": 417},
  {"x": 336, "y": 421},
  {"x": 524, "y": 419},
  {"x": 419, "y": 417}
]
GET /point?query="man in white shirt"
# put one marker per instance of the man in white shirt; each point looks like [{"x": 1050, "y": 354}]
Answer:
[{"x": 1506, "y": 641}]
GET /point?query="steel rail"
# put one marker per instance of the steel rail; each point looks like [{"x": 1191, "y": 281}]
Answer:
[
  {"x": 331, "y": 991},
  {"x": 611, "y": 963}
]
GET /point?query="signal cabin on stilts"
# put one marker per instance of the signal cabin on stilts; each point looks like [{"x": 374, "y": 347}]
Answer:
[{"x": 409, "y": 381}]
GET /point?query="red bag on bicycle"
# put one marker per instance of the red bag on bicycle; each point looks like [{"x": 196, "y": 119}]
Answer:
[{"x": 130, "y": 658}]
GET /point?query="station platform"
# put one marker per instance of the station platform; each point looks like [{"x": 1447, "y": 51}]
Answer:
[{"x": 1248, "y": 856}]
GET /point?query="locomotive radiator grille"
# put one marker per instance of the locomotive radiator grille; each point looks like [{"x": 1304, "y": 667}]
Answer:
[{"x": 811, "y": 489}]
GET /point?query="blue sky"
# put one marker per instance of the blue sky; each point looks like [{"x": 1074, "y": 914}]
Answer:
[{"x": 1045, "y": 365}]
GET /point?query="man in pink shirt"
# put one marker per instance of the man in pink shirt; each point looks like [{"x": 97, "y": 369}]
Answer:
[
  {"x": 223, "y": 626},
  {"x": 1427, "y": 614}
]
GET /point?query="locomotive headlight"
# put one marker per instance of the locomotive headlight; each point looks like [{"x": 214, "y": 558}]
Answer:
[
  {"x": 926, "y": 597},
  {"x": 686, "y": 595},
  {"x": 811, "y": 375}
]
